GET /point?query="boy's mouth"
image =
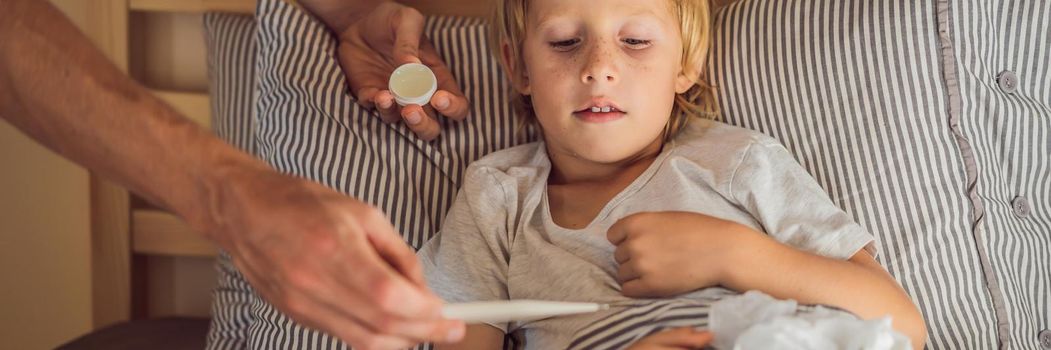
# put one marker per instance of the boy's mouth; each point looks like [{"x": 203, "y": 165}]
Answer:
[
  {"x": 599, "y": 114},
  {"x": 600, "y": 105},
  {"x": 597, "y": 109}
]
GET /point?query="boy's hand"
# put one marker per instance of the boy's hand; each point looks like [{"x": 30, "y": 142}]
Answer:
[
  {"x": 678, "y": 338},
  {"x": 668, "y": 253}
]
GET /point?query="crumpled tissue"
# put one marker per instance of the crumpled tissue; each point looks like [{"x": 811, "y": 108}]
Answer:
[{"x": 755, "y": 320}]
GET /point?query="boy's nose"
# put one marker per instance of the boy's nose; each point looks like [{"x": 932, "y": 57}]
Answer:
[{"x": 600, "y": 65}]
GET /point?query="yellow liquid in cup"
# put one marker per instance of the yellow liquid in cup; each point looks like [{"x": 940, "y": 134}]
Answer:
[{"x": 411, "y": 81}]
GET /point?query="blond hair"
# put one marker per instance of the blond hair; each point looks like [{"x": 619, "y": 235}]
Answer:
[{"x": 508, "y": 23}]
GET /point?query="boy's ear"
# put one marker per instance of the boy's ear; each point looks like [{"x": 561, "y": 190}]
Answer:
[
  {"x": 689, "y": 75},
  {"x": 519, "y": 80}
]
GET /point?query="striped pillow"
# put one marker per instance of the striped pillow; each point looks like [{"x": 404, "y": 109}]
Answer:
[
  {"x": 852, "y": 89},
  {"x": 230, "y": 42},
  {"x": 308, "y": 125},
  {"x": 997, "y": 65},
  {"x": 303, "y": 122},
  {"x": 857, "y": 90},
  {"x": 231, "y": 46}
]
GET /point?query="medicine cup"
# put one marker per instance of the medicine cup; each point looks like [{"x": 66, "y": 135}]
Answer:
[{"x": 412, "y": 84}]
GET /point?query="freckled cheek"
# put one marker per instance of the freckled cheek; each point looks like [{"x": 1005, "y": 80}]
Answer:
[
  {"x": 560, "y": 65},
  {"x": 553, "y": 78},
  {"x": 647, "y": 78}
]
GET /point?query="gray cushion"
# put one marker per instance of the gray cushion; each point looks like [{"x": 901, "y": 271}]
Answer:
[
  {"x": 230, "y": 43},
  {"x": 303, "y": 121},
  {"x": 1008, "y": 128},
  {"x": 853, "y": 91},
  {"x": 894, "y": 107},
  {"x": 915, "y": 142}
]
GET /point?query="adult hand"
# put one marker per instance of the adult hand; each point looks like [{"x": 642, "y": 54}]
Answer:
[
  {"x": 371, "y": 48},
  {"x": 328, "y": 261},
  {"x": 662, "y": 254},
  {"x": 674, "y": 339}
]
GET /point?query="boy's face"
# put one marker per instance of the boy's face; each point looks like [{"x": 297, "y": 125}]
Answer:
[{"x": 624, "y": 55}]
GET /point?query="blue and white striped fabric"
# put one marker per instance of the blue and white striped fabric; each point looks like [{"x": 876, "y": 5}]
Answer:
[
  {"x": 230, "y": 41},
  {"x": 896, "y": 107},
  {"x": 303, "y": 122},
  {"x": 625, "y": 328},
  {"x": 1009, "y": 132},
  {"x": 308, "y": 125},
  {"x": 893, "y": 107}
]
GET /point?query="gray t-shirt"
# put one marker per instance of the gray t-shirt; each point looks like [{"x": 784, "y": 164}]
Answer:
[{"x": 499, "y": 242}]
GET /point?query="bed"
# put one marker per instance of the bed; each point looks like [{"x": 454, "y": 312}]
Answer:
[{"x": 957, "y": 195}]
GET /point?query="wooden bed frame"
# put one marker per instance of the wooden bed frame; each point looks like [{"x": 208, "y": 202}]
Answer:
[{"x": 124, "y": 230}]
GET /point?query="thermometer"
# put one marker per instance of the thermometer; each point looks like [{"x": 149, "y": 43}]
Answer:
[{"x": 515, "y": 310}]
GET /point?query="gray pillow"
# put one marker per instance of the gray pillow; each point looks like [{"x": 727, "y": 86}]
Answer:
[
  {"x": 231, "y": 47},
  {"x": 868, "y": 95},
  {"x": 292, "y": 108},
  {"x": 875, "y": 100},
  {"x": 230, "y": 43}
]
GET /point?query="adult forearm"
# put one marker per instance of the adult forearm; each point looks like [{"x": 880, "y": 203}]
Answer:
[
  {"x": 60, "y": 90},
  {"x": 788, "y": 273},
  {"x": 339, "y": 14}
]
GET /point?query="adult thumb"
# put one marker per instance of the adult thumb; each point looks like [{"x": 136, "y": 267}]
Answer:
[{"x": 408, "y": 29}]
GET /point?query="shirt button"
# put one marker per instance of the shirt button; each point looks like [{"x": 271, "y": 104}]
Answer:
[
  {"x": 1007, "y": 80},
  {"x": 1045, "y": 339},
  {"x": 1021, "y": 209}
]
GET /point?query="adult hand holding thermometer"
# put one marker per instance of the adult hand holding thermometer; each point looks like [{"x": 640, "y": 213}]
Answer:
[{"x": 515, "y": 310}]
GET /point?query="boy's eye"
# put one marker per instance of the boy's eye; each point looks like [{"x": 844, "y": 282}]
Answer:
[
  {"x": 563, "y": 44},
  {"x": 636, "y": 43}
]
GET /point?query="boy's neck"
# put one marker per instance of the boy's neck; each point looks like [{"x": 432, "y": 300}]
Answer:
[{"x": 567, "y": 169}]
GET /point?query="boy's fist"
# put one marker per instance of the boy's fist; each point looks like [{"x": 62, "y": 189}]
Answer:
[{"x": 662, "y": 254}]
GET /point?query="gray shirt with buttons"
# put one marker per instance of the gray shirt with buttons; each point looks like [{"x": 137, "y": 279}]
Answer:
[{"x": 499, "y": 241}]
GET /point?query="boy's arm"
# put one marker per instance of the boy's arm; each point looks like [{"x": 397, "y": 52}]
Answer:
[
  {"x": 478, "y": 337},
  {"x": 859, "y": 285},
  {"x": 819, "y": 260},
  {"x": 662, "y": 254}
]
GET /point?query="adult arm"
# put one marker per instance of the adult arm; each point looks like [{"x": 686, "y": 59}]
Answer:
[{"x": 328, "y": 261}]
